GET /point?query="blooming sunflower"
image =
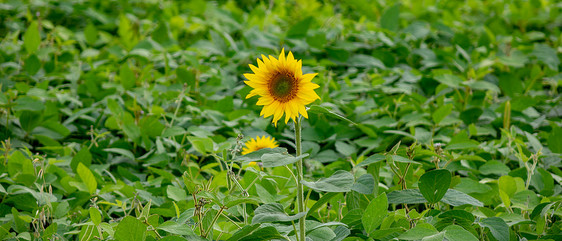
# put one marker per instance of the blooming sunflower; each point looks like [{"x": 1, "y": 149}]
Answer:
[
  {"x": 282, "y": 87},
  {"x": 259, "y": 143}
]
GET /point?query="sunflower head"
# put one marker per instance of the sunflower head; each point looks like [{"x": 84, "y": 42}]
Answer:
[
  {"x": 259, "y": 143},
  {"x": 281, "y": 87}
]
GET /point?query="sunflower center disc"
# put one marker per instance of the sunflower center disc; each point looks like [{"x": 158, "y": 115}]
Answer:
[{"x": 282, "y": 87}]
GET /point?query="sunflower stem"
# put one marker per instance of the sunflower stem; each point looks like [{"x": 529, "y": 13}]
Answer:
[{"x": 300, "y": 192}]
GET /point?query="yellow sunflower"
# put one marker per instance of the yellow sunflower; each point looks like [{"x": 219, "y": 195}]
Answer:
[
  {"x": 259, "y": 143},
  {"x": 282, "y": 87}
]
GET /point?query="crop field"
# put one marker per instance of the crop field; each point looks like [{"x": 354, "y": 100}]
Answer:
[{"x": 308, "y": 120}]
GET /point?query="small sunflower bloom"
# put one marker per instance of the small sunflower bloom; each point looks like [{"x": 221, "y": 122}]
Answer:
[
  {"x": 257, "y": 144},
  {"x": 282, "y": 87}
]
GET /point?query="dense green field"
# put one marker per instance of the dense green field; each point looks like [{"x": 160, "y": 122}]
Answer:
[{"x": 125, "y": 120}]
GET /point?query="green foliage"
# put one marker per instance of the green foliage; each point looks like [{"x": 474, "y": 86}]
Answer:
[{"x": 124, "y": 120}]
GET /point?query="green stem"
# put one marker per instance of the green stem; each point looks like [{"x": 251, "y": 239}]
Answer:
[{"x": 300, "y": 192}]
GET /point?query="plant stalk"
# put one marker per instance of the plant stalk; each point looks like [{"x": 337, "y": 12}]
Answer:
[{"x": 300, "y": 192}]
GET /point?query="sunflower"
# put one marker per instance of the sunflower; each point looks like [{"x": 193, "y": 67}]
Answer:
[
  {"x": 282, "y": 87},
  {"x": 259, "y": 143}
]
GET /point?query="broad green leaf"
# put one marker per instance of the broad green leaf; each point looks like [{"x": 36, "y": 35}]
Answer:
[
  {"x": 300, "y": 28},
  {"x": 29, "y": 120},
  {"x": 497, "y": 226},
  {"x": 323, "y": 110},
  {"x": 408, "y": 196},
  {"x": 547, "y": 55},
  {"x": 323, "y": 200},
  {"x": 457, "y": 233},
  {"x": 364, "y": 184},
  {"x": 273, "y": 212},
  {"x": 130, "y": 229},
  {"x": 201, "y": 144},
  {"x": 554, "y": 140},
  {"x": 345, "y": 149},
  {"x": 449, "y": 80},
  {"x": 95, "y": 215},
  {"x": 83, "y": 156},
  {"x": 390, "y": 18},
  {"x": 278, "y": 159},
  {"x": 419, "y": 232},
  {"x": 340, "y": 181},
  {"x": 375, "y": 213},
  {"x": 31, "y": 38},
  {"x": 265, "y": 233},
  {"x": 434, "y": 184},
  {"x": 122, "y": 152},
  {"x": 32, "y": 64},
  {"x": 87, "y": 177},
  {"x": 457, "y": 198},
  {"x": 175, "y": 193},
  {"x": 127, "y": 76},
  {"x": 176, "y": 228},
  {"x": 372, "y": 159},
  {"x": 507, "y": 184},
  {"x": 243, "y": 232},
  {"x": 91, "y": 34},
  {"x": 442, "y": 112}
]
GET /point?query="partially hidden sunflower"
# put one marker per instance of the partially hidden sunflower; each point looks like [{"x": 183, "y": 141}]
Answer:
[
  {"x": 259, "y": 143},
  {"x": 282, "y": 87}
]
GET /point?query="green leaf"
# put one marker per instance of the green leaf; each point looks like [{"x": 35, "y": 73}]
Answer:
[
  {"x": 83, "y": 156},
  {"x": 345, "y": 149},
  {"x": 87, "y": 178},
  {"x": 408, "y": 196},
  {"x": 95, "y": 215},
  {"x": 28, "y": 103},
  {"x": 202, "y": 145},
  {"x": 122, "y": 152},
  {"x": 554, "y": 140},
  {"x": 161, "y": 33},
  {"x": 175, "y": 193},
  {"x": 243, "y": 232},
  {"x": 372, "y": 159},
  {"x": 449, "y": 80},
  {"x": 340, "y": 181},
  {"x": 323, "y": 200},
  {"x": 91, "y": 34},
  {"x": 29, "y": 120},
  {"x": 436, "y": 237},
  {"x": 323, "y": 110},
  {"x": 31, "y": 38},
  {"x": 175, "y": 228},
  {"x": 130, "y": 229},
  {"x": 365, "y": 184},
  {"x": 547, "y": 55},
  {"x": 265, "y": 233},
  {"x": 457, "y": 233},
  {"x": 32, "y": 64},
  {"x": 434, "y": 184},
  {"x": 457, "y": 198},
  {"x": 300, "y": 29},
  {"x": 515, "y": 59},
  {"x": 508, "y": 185},
  {"x": 419, "y": 232},
  {"x": 497, "y": 226},
  {"x": 127, "y": 76},
  {"x": 273, "y": 212},
  {"x": 390, "y": 18},
  {"x": 375, "y": 213},
  {"x": 442, "y": 112},
  {"x": 278, "y": 159}
]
